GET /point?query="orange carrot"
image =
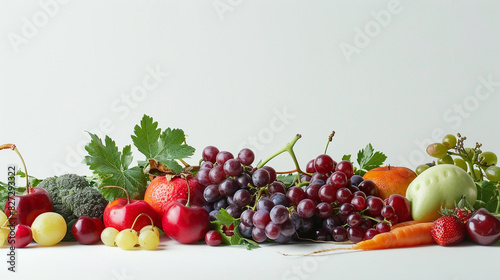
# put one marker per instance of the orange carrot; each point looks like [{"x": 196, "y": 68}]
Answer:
[
  {"x": 403, "y": 224},
  {"x": 405, "y": 236}
]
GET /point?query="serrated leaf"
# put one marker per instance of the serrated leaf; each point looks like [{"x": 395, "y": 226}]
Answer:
[
  {"x": 112, "y": 165},
  {"x": 146, "y": 136},
  {"x": 369, "y": 159},
  {"x": 224, "y": 219},
  {"x": 165, "y": 147},
  {"x": 287, "y": 179},
  {"x": 346, "y": 157}
]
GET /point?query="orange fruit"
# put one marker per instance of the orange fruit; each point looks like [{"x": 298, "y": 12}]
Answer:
[
  {"x": 161, "y": 191},
  {"x": 391, "y": 179}
]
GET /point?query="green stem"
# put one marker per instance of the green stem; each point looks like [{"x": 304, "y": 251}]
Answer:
[{"x": 287, "y": 148}]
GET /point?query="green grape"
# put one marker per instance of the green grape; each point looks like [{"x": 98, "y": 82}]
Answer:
[
  {"x": 437, "y": 150},
  {"x": 469, "y": 152},
  {"x": 108, "y": 236},
  {"x": 149, "y": 240},
  {"x": 445, "y": 160},
  {"x": 421, "y": 168},
  {"x": 48, "y": 228},
  {"x": 460, "y": 163},
  {"x": 150, "y": 228},
  {"x": 493, "y": 173},
  {"x": 478, "y": 174},
  {"x": 450, "y": 141},
  {"x": 126, "y": 239},
  {"x": 487, "y": 158}
]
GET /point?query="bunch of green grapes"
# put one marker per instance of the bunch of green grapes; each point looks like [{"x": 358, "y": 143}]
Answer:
[{"x": 477, "y": 163}]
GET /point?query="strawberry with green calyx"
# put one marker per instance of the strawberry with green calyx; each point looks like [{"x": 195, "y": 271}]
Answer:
[{"x": 448, "y": 230}]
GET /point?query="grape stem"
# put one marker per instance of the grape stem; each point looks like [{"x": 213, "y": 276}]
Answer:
[{"x": 287, "y": 148}]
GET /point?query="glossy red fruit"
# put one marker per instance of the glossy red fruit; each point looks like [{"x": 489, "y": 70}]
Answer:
[
  {"x": 121, "y": 213},
  {"x": 483, "y": 228},
  {"x": 448, "y": 230},
  {"x": 87, "y": 230},
  {"x": 26, "y": 207},
  {"x": 186, "y": 224},
  {"x": 401, "y": 205},
  {"x": 22, "y": 236},
  {"x": 213, "y": 238}
]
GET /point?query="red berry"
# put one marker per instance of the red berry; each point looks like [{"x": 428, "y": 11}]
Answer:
[
  {"x": 213, "y": 238},
  {"x": 448, "y": 230}
]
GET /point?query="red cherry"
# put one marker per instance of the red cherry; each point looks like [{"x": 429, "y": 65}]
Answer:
[
  {"x": 483, "y": 228},
  {"x": 213, "y": 238},
  {"x": 87, "y": 230},
  {"x": 25, "y": 208},
  {"x": 22, "y": 236},
  {"x": 185, "y": 224},
  {"x": 122, "y": 212}
]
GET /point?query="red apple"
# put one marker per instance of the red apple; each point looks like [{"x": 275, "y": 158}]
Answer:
[
  {"x": 87, "y": 230},
  {"x": 184, "y": 223}
]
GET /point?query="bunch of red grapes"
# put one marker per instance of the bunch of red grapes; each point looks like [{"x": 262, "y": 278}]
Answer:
[{"x": 331, "y": 204}]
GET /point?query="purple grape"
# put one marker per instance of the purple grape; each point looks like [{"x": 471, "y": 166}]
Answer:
[
  {"x": 246, "y": 217},
  {"x": 228, "y": 187},
  {"x": 259, "y": 234},
  {"x": 279, "y": 199},
  {"x": 209, "y": 153},
  {"x": 211, "y": 193},
  {"x": 306, "y": 208},
  {"x": 324, "y": 210},
  {"x": 261, "y": 218},
  {"x": 217, "y": 174},
  {"x": 243, "y": 180},
  {"x": 245, "y": 231},
  {"x": 222, "y": 157},
  {"x": 339, "y": 234},
  {"x": 272, "y": 173},
  {"x": 242, "y": 197},
  {"x": 261, "y": 178},
  {"x": 204, "y": 177},
  {"x": 265, "y": 203},
  {"x": 273, "y": 230},
  {"x": 279, "y": 214},
  {"x": 277, "y": 187},
  {"x": 232, "y": 167},
  {"x": 246, "y": 156}
]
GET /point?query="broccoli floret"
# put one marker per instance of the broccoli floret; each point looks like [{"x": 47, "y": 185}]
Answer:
[
  {"x": 86, "y": 202},
  {"x": 72, "y": 197}
]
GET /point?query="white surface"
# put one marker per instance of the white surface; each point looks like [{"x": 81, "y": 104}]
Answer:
[
  {"x": 231, "y": 77},
  {"x": 175, "y": 261}
]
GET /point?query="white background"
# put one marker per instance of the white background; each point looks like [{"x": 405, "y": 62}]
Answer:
[{"x": 397, "y": 74}]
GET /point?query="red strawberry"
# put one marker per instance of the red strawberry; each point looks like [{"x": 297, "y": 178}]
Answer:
[
  {"x": 448, "y": 230},
  {"x": 463, "y": 214},
  {"x": 163, "y": 190}
]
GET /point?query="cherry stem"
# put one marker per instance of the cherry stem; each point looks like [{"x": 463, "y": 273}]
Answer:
[
  {"x": 117, "y": 187},
  {"x": 189, "y": 193},
  {"x": 142, "y": 214},
  {"x": 14, "y": 148}
]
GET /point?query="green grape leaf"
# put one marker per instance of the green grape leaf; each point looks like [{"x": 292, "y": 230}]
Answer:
[
  {"x": 287, "y": 179},
  {"x": 224, "y": 220},
  {"x": 112, "y": 167},
  {"x": 165, "y": 147}
]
